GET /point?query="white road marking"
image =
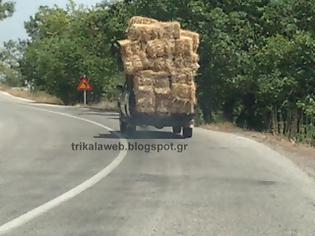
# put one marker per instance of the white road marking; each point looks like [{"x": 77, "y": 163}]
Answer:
[
  {"x": 30, "y": 215},
  {"x": 15, "y": 97}
]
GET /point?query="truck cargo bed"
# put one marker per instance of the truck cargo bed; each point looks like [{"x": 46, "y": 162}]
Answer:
[{"x": 160, "y": 120}]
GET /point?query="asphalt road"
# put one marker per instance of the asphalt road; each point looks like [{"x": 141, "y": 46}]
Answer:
[{"x": 222, "y": 184}]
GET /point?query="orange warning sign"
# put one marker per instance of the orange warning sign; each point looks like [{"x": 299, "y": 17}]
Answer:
[{"x": 84, "y": 85}]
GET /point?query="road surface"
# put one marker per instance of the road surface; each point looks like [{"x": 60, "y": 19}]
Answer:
[{"x": 222, "y": 184}]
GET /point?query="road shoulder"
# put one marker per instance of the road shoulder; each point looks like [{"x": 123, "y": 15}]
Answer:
[{"x": 302, "y": 155}]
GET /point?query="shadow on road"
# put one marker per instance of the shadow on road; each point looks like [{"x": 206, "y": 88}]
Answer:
[{"x": 141, "y": 135}]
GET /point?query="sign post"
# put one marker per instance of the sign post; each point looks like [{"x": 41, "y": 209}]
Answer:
[
  {"x": 84, "y": 86},
  {"x": 84, "y": 94}
]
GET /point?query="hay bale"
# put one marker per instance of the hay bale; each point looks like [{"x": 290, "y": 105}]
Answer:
[
  {"x": 184, "y": 46},
  {"x": 129, "y": 48},
  {"x": 189, "y": 62},
  {"x": 162, "y": 82},
  {"x": 184, "y": 76},
  {"x": 162, "y": 87},
  {"x": 182, "y": 107},
  {"x": 125, "y": 48},
  {"x": 164, "y": 60},
  {"x": 158, "y": 64},
  {"x": 139, "y": 81},
  {"x": 163, "y": 104},
  {"x": 160, "y": 48},
  {"x": 141, "y": 20},
  {"x": 184, "y": 92},
  {"x": 194, "y": 58},
  {"x": 145, "y": 33},
  {"x": 128, "y": 66},
  {"x": 194, "y": 36},
  {"x": 136, "y": 63},
  {"x": 162, "y": 64},
  {"x": 152, "y": 74},
  {"x": 194, "y": 67},
  {"x": 146, "y": 63},
  {"x": 156, "y": 48},
  {"x": 170, "y": 48},
  {"x": 133, "y": 64},
  {"x": 171, "y": 30},
  {"x": 145, "y": 99}
]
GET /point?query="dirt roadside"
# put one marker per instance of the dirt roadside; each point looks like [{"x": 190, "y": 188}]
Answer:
[
  {"x": 38, "y": 97},
  {"x": 42, "y": 97},
  {"x": 302, "y": 155}
]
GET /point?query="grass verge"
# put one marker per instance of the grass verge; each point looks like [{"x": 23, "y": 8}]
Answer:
[{"x": 38, "y": 97}]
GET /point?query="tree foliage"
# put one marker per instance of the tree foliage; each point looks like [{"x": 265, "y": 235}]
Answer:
[
  {"x": 10, "y": 56},
  {"x": 257, "y": 57},
  {"x": 6, "y": 9}
]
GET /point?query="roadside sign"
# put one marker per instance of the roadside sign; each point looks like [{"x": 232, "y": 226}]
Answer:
[{"x": 84, "y": 85}]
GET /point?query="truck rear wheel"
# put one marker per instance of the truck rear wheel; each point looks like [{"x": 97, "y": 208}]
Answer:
[
  {"x": 123, "y": 126},
  {"x": 177, "y": 129},
  {"x": 187, "y": 132},
  {"x": 131, "y": 130}
]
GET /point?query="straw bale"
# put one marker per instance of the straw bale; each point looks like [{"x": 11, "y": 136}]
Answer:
[
  {"x": 133, "y": 64},
  {"x": 139, "y": 81},
  {"x": 129, "y": 48},
  {"x": 171, "y": 30},
  {"x": 146, "y": 63},
  {"x": 188, "y": 62},
  {"x": 194, "y": 36},
  {"x": 170, "y": 48},
  {"x": 162, "y": 86},
  {"x": 163, "y": 64},
  {"x": 125, "y": 48},
  {"x": 184, "y": 46},
  {"x": 152, "y": 74},
  {"x": 145, "y": 99},
  {"x": 141, "y": 20},
  {"x": 160, "y": 30},
  {"x": 184, "y": 92},
  {"x": 182, "y": 107},
  {"x": 183, "y": 77},
  {"x": 156, "y": 48},
  {"x": 160, "y": 48},
  {"x": 145, "y": 33},
  {"x": 163, "y": 104}
]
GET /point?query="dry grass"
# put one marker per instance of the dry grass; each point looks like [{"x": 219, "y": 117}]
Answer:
[
  {"x": 223, "y": 126},
  {"x": 4, "y": 87},
  {"x": 39, "y": 97},
  {"x": 43, "y": 97}
]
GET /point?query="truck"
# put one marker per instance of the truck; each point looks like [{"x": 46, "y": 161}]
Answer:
[
  {"x": 160, "y": 61},
  {"x": 130, "y": 118}
]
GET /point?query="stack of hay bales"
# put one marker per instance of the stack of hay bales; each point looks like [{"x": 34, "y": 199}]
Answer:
[{"x": 163, "y": 62}]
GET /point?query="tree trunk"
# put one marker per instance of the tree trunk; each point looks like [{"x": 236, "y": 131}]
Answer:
[
  {"x": 294, "y": 123},
  {"x": 274, "y": 120}
]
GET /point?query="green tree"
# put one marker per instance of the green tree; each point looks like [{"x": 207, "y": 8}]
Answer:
[
  {"x": 6, "y": 9},
  {"x": 10, "y": 56}
]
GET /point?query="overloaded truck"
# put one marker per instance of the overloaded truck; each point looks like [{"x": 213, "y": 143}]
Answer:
[{"x": 160, "y": 62}]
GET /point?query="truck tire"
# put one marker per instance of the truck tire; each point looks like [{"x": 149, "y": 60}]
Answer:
[
  {"x": 177, "y": 129},
  {"x": 123, "y": 126},
  {"x": 131, "y": 130},
  {"x": 187, "y": 132}
]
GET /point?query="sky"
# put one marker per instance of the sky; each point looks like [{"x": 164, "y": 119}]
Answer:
[{"x": 13, "y": 27}]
